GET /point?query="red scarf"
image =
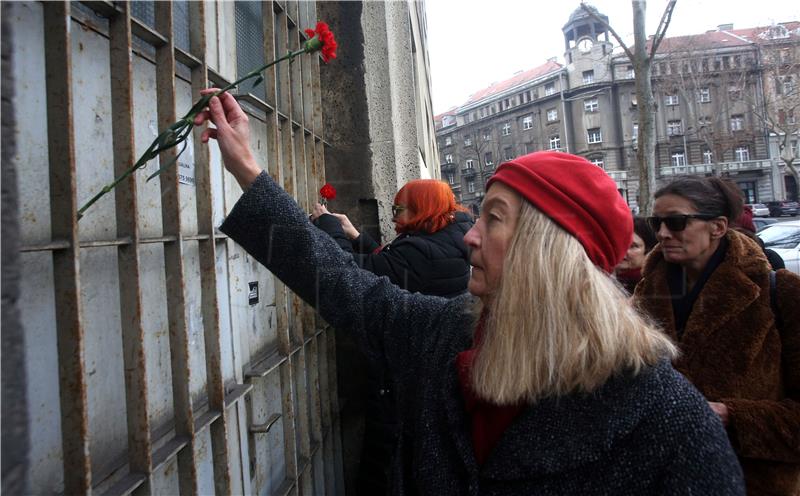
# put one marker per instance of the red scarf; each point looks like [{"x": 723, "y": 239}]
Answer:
[{"x": 489, "y": 421}]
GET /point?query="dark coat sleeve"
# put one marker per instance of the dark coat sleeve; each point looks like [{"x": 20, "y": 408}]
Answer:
[
  {"x": 767, "y": 429},
  {"x": 333, "y": 227},
  {"x": 400, "y": 262},
  {"x": 365, "y": 244},
  {"x": 392, "y": 326}
]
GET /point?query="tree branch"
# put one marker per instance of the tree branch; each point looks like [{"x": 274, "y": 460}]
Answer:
[
  {"x": 610, "y": 29},
  {"x": 666, "y": 18}
]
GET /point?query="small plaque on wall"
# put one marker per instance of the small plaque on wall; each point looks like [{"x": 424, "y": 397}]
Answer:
[{"x": 252, "y": 296}]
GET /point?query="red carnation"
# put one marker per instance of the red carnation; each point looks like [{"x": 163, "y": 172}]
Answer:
[
  {"x": 321, "y": 39},
  {"x": 327, "y": 192}
]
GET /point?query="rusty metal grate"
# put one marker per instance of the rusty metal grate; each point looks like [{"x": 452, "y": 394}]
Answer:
[{"x": 164, "y": 360}]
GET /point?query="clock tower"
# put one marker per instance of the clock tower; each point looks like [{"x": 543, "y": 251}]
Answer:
[{"x": 587, "y": 48}]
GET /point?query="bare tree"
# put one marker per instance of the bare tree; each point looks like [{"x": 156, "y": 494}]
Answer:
[
  {"x": 641, "y": 57},
  {"x": 780, "y": 110},
  {"x": 713, "y": 92}
]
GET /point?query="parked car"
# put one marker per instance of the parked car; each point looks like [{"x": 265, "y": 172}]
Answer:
[
  {"x": 762, "y": 222},
  {"x": 784, "y": 238},
  {"x": 779, "y": 208},
  {"x": 758, "y": 209}
]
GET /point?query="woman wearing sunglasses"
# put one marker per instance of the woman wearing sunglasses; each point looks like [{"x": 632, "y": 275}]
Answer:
[
  {"x": 544, "y": 380},
  {"x": 709, "y": 287}
]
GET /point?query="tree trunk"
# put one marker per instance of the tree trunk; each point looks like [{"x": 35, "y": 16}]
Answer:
[{"x": 646, "y": 153}]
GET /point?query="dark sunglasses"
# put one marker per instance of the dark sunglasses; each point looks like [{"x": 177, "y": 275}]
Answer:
[
  {"x": 396, "y": 209},
  {"x": 676, "y": 223}
]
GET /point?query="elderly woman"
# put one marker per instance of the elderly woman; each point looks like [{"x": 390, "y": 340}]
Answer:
[
  {"x": 709, "y": 286},
  {"x": 552, "y": 385}
]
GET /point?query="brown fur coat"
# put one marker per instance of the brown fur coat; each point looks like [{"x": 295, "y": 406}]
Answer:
[{"x": 733, "y": 353}]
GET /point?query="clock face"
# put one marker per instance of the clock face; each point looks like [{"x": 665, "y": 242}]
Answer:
[{"x": 585, "y": 45}]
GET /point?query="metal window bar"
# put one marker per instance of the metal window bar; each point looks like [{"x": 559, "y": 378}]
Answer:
[
  {"x": 174, "y": 263},
  {"x": 66, "y": 263}
]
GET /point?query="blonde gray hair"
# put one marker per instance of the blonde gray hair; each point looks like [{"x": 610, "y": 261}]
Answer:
[{"x": 557, "y": 324}]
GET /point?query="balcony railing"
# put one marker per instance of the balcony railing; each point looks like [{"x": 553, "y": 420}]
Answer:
[
  {"x": 746, "y": 165},
  {"x": 468, "y": 171}
]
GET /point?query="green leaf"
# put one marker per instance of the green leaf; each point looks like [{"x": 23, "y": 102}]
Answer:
[
  {"x": 169, "y": 163},
  {"x": 259, "y": 80}
]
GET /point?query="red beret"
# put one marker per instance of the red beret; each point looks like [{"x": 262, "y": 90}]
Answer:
[{"x": 578, "y": 196}]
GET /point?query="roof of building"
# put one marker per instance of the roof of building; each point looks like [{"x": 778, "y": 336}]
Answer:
[
  {"x": 580, "y": 14},
  {"x": 516, "y": 80},
  {"x": 725, "y": 38}
]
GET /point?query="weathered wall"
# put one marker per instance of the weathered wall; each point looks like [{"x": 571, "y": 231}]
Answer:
[{"x": 14, "y": 398}]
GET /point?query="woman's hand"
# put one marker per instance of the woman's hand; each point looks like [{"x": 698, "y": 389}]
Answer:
[
  {"x": 720, "y": 409},
  {"x": 319, "y": 209},
  {"x": 349, "y": 229},
  {"x": 232, "y": 134}
]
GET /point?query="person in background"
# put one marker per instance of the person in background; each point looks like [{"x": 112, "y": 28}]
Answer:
[
  {"x": 428, "y": 256},
  {"x": 744, "y": 224},
  {"x": 709, "y": 287},
  {"x": 629, "y": 271},
  {"x": 544, "y": 380}
]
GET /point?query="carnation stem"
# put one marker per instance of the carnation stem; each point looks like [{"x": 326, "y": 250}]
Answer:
[{"x": 167, "y": 139}]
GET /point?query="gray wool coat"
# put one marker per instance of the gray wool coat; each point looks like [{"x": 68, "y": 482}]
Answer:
[{"x": 652, "y": 433}]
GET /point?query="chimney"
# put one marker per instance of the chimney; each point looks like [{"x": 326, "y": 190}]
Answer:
[
  {"x": 725, "y": 27},
  {"x": 552, "y": 59}
]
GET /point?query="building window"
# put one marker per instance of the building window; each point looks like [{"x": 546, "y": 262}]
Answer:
[
  {"x": 674, "y": 128},
  {"x": 594, "y": 135},
  {"x": 552, "y": 115},
  {"x": 742, "y": 153},
  {"x": 671, "y": 99},
  {"x": 635, "y": 132},
  {"x": 748, "y": 190},
  {"x": 704, "y": 121},
  {"x": 630, "y": 72},
  {"x": 487, "y": 134},
  {"x": 549, "y": 89},
  {"x": 448, "y": 141},
  {"x": 598, "y": 161},
  {"x": 467, "y": 140},
  {"x": 469, "y": 163},
  {"x": 508, "y": 153},
  {"x": 487, "y": 158},
  {"x": 737, "y": 122},
  {"x": 555, "y": 142},
  {"x": 678, "y": 159},
  {"x": 704, "y": 95},
  {"x": 506, "y": 129},
  {"x": 448, "y": 158},
  {"x": 471, "y": 186},
  {"x": 591, "y": 105},
  {"x": 734, "y": 91},
  {"x": 451, "y": 178},
  {"x": 588, "y": 77},
  {"x": 708, "y": 156},
  {"x": 788, "y": 85},
  {"x": 527, "y": 122},
  {"x": 795, "y": 151},
  {"x": 634, "y": 100}
]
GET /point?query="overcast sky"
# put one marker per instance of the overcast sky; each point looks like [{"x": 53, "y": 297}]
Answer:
[{"x": 473, "y": 44}]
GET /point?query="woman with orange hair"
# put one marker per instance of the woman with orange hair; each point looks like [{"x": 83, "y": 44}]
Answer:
[{"x": 428, "y": 256}]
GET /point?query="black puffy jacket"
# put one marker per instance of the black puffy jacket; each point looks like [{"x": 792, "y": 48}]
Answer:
[{"x": 433, "y": 264}]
